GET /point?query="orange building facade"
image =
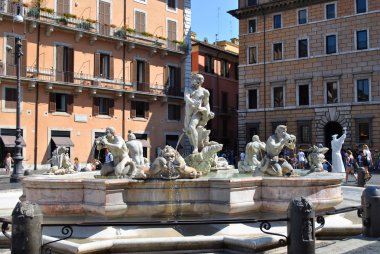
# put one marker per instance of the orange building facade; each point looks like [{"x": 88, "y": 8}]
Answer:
[
  {"x": 87, "y": 65},
  {"x": 218, "y": 64}
]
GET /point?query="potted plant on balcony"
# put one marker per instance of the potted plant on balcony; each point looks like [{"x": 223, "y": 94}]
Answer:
[
  {"x": 62, "y": 21},
  {"x": 33, "y": 12},
  {"x": 146, "y": 34},
  {"x": 84, "y": 25},
  {"x": 121, "y": 32}
]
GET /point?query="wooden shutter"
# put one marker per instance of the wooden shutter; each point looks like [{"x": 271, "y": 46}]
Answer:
[
  {"x": 133, "y": 109},
  {"x": 66, "y": 6},
  {"x": 97, "y": 65},
  {"x": 133, "y": 71},
  {"x": 146, "y": 113},
  {"x": 107, "y": 13},
  {"x": 172, "y": 30},
  {"x": 52, "y": 103},
  {"x": 24, "y": 57},
  {"x": 111, "y": 70},
  {"x": 59, "y": 63},
  {"x": 10, "y": 56},
  {"x": 139, "y": 21},
  {"x": 147, "y": 75},
  {"x": 178, "y": 82},
  {"x": 70, "y": 103},
  {"x": 70, "y": 65},
  {"x": 111, "y": 111},
  {"x": 95, "y": 107},
  {"x": 166, "y": 76}
]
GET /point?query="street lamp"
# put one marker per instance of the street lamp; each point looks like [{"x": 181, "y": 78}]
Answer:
[{"x": 18, "y": 168}]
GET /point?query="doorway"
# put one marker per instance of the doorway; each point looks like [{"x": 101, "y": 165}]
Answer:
[{"x": 330, "y": 129}]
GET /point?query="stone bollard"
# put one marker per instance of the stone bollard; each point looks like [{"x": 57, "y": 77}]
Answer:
[
  {"x": 301, "y": 234},
  {"x": 371, "y": 211},
  {"x": 361, "y": 177},
  {"x": 26, "y": 228}
]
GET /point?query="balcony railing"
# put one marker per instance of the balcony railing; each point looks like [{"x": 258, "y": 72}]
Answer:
[{"x": 87, "y": 25}]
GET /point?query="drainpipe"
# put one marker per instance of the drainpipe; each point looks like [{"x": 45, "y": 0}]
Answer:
[
  {"x": 265, "y": 78},
  {"x": 124, "y": 55},
  {"x": 37, "y": 98}
]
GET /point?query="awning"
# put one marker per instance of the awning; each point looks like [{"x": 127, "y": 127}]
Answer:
[
  {"x": 62, "y": 141},
  {"x": 145, "y": 143},
  {"x": 9, "y": 141}
]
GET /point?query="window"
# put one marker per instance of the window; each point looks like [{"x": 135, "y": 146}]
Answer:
[
  {"x": 302, "y": 48},
  {"x": 361, "y": 6},
  {"x": 171, "y": 4},
  {"x": 10, "y": 97},
  {"x": 63, "y": 7},
  {"x": 10, "y": 60},
  {"x": 209, "y": 64},
  {"x": 304, "y": 132},
  {"x": 277, "y": 51},
  {"x": 172, "y": 76},
  {"x": 277, "y": 123},
  {"x": 277, "y": 22},
  {"x": 172, "y": 33},
  {"x": 140, "y": 75},
  {"x": 252, "y": 26},
  {"x": 60, "y": 102},
  {"x": 278, "y": 97},
  {"x": 171, "y": 140},
  {"x": 225, "y": 128},
  {"x": 331, "y": 92},
  {"x": 64, "y": 63},
  {"x": 140, "y": 21},
  {"x": 362, "y": 90},
  {"x": 303, "y": 95},
  {"x": 224, "y": 105},
  {"x": 237, "y": 71},
  {"x": 361, "y": 40},
  {"x": 103, "y": 106},
  {"x": 225, "y": 69},
  {"x": 104, "y": 17},
  {"x": 331, "y": 44},
  {"x": 251, "y": 3},
  {"x": 251, "y": 130},
  {"x": 174, "y": 112},
  {"x": 363, "y": 130},
  {"x": 252, "y": 55},
  {"x": 139, "y": 109},
  {"x": 302, "y": 16},
  {"x": 330, "y": 11},
  {"x": 103, "y": 66},
  {"x": 253, "y": 99}
]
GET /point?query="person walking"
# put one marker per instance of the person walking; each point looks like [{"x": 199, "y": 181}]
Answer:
[
  {"x": 8, "y": 161},
  {"x": 367, "y": 152},
  {"x": 301, "y": 159}
]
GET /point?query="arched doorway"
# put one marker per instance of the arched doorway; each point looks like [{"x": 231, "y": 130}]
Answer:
[{"x": 331, "y": 128}]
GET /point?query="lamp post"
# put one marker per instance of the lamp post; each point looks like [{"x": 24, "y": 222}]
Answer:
[{"x": 18, "y": 168}]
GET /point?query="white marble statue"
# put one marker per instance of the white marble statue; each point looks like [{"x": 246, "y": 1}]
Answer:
[
  {"x": 61, "y": 163},
  {"x": 197, "y": 113},
  {"x": 135, "y": 149},
  {"x": 123, "y": 165},
  {"x": 254, "y": 153},
  {"x": 336, "y": 146},
  {"x": 170, "y": 165},
  {"x": 271, "y": 164},
  {"x": 316, "y": 158}
]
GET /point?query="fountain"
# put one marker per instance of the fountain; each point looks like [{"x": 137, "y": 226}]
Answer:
[{"x": 174, "y": 186}]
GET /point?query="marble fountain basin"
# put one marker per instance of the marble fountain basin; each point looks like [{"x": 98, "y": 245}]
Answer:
[{"x": 83, "y": 195}]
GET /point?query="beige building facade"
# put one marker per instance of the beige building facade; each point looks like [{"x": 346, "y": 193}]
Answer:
[
  {"x": 87, "y": 65},
  {"x": 312, "y": 65}
]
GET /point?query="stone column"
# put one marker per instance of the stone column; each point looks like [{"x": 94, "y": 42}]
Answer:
[{"x": 26, "y": 228}]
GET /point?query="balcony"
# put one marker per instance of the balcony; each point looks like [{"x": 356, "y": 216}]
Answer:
[{"x": 47, "y": 16}]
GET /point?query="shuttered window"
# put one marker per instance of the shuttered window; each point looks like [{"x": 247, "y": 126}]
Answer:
[
  {"x": 10, "y": 56},
  {"x": 172, "y": 4},
  {"x": 10, "y": 98},
  {"x": 64, "y": 64},
  {"x": 139, "y": 109},
  {"x": 140, "y": 21},
  {"x": 172, "y": 33},
  {"x": 59, "y": 102},
  {"x": 63, "y": 6},
  {"x": 103, "y": 106},
  {"x": 103, "y": 66},
  {"x": 104, "y": 17}
]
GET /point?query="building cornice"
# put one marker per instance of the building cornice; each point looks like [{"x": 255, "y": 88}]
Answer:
[{"x": 272, "y": 7}]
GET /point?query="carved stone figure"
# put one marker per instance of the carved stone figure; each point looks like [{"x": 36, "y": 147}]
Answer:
[
  {"x": 271, "y": 164},
  {"x": 316, "y": 158},
  {"x": 170, "y": 165},
  {"x": 197, "y": 113},
  {"x": 123, "y": 165},
  {"x": 136, "y": 153},
  {"x": 336, "y": 146},
  {"x": 254, "y": 152},
  {"x": 63, "y": 163},
  {"x": 204, "y": 160}
]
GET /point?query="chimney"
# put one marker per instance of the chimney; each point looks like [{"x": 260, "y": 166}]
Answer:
[
  {"x": 193, "y": 35},
  {"x": 235, "y": 41}
]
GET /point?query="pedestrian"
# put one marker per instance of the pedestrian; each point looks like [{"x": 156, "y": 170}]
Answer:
[
  {"x": 76, "y": 164},
  {"x": 369, "y": 156},
  {"x": 365, "y": 164},
  {"x": 350, "y": 165},
  {"x": 301, "y": 159},
  {"x": 242, "y": 156},
  {"x": 8, "y": 161},
  {"x": 108, "y": 158}
]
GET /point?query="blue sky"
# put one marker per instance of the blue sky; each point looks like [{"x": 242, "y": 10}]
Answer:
[{"x": 205, "y": 20}]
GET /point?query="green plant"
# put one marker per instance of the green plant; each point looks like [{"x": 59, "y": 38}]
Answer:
[
  {"x": 91, "y": 21},
  {"x": 120, "y": 33},
  {"x": 69, "y": 15},
  {"x": 113, "y": 26},
  {"x": 84, "y": 25},
  {"x": 130, "y": 30},
  {"x": 62, "y": 20},
  {"x": 162, "y": 38},
  {"x": 33, "y": 12},
  {"x": 48, "y": 10},
  {"x": 147, "y": 34}
]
